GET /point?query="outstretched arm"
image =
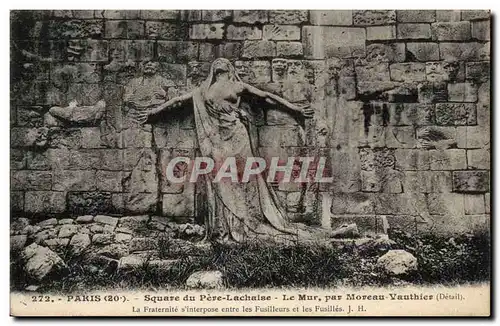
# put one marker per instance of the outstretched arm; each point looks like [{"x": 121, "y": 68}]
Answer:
[
  {"x": 175, "y": 102},
  {"x": 305, "y": 111}
]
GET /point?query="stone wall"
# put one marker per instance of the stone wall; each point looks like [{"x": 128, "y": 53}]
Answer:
[{"x": 401, "y": 100}]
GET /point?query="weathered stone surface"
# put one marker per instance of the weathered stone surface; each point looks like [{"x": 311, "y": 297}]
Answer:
[
  {"x": 478, "y": 159},
  {"x": 254, "y": 71},
  {"x": 206, "y": 31},
  {"x": 67, "y": 230},
  {"x": 475, "y": 14},
  {"x": 134, "y": 222},
  {"x": 462, "y": 92},
  {"x": 326, "y": 42},
  {"x": 17, "y": 242},
  {"x": 287, "y": 16},
  {"x": 331, "y": 17},
  {"x": 45, "y": 202},
  {"x": 178, "y": 205},
  {"x": 289, "y": 49},
  {"x": 250, "y": 16},
  {"x": 113, "y": 221},
  {"x": 215, "y": 15},
  {"x": 159, "y": 14},
  {"x": 79, "y": 242},
  {"x": 424, "y": 51},
  {"x": 478, "y": 71},
  {"x": 398, "y": 262},
  {"x": 74, "y": 180},
  {"x": 114, "y": 251},
  {"x": 89, "y": 202},
  {"x": 450, "y": 159},
  {"x": 458, "y": 114},
  {"x": 451, "y": 31},
  {"x": 103, "y": 238},
  {"x": 205, "y": 280},
  {"x": 481, "y": 30},
  {"x": 244, "y": 33},
  {"x": 374, "y": 17},
  {"x": 142, "y": 244},
  {"x": 474, "y": 204},
  {"x": 41, "y": 262},
  {"x": 31, "y": 180},
  {"x": 416, "y": 16},
  {"x": 471, "y": 181},
  {"x": 414, "y": 31},
  {"x": 432, "y": 92},
  {"x": 373, "y": 72},
  {"x": 281, "y": 32},
  {"x": 408, "y": 72},
  {"x": 258, "y": 49},
  {"x": 131, "y": 262},
  {"x": 380, "y": 33},
  {"x": 470, "y": 51},
  {"x": 385, "y": 52},
  {"x": 448, "y": 15},
  {"x": 130, "y": 29}
]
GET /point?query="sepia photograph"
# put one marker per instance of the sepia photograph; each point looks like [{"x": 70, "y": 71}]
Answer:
[{"x": 250, "y": 162}]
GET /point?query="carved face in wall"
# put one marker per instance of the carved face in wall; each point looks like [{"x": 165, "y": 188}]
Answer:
[
  {"x": 279, "y": 67},
  {"x": 295, "y": 68},
  {"x": 220, "y": 65},
  {"x": 241, "y": 69},
  {"x": 153, "y": 29},
  {"x": 150, "y": 67}
]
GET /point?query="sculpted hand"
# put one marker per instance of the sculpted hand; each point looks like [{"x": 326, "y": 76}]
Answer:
[{"x": 306, "y": 111}]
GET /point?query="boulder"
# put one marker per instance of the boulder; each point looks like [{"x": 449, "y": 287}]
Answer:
[
  {"x": 79, "y": 242},
  {"x": 17, "y": 242},
  {"x": 205, "y": 280},
  {"x": 398, "y": 262},
  {"x": 377, "y": 245},
  {"x": 41, "y": 262}
]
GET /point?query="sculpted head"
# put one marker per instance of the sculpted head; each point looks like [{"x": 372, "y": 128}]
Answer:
[{"x": 150, "y": 67}]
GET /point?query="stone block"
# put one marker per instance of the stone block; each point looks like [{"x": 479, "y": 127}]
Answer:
[
  {"x": 478, "y": 159},
  {"x": 244, "y": 33},
  {"x": 449, "y": 159},
  {"x": 470, "y": 51},
  {"x": 475, "y": 14},
  {"x": 331, "y": 17},
  {"x": 178, "y": 205},
  {"x": 89, "y": 203},
  {"x": 107, "y": 220},
  {"x": 280, "y": 136},
  {"x": 412, "y": 159},
  {"x": 408, "y": 72},
  {"x": 159, "y": 14},
  {"x": 416, "y": 16},
  {"x": 352, "y": 203},
  {"x": 288, "y": 16},
  {"x": 448, "y": 15},
  {"x": 487, "y": 202},
  {"x": 91, "y": 137},
  {"x": 124, "y": 29},
  {"x": 474, "y": 204},
  {"x": 399, "y": 137},
  {"x": 471, "y": 181},
  {"x": 451, "y": 31},
  {"x": 38, "y": 202},
  {"x": 109, "y": 181},
  {"x": 250, "y": 16},
  {"x": 206, "y": 31},
  {"x": 29, "y": 116},
  {"x": 432, "y": 92},
  {"x": 258, "y": 49},
  {"x": 326, "y": 42},
  {"x": 404, "y": 203},
  {"x": 67, "y": 180},
  {"x": 424, "y": 51},
  {"x": 102, "y": 239},
  {"x": 289, "y": 49},
  {"x": 18, "y": 159},
  {"x": 414, "y": 31},
  {"x": 177, "y": 52},
  {"x": 16, "y": 201},
  {"x": 373, "y": 17},
  {"x": 215, "y": 15},
  {"x": 473, "y": 137},
  {"x": 449, "y": 204},
  {"x": 478, "y": 71},
  {"x": 30, "y": 180},
  {"x": 28, "y": 137},
  {"x": 281, "y": 32},
  {"x": 462, "y": 92},
  {"x": 458, "y": 114},
  {"x": 376, "y": 33},
  {"x": 120, "y": 14},
  {"x": 174, "y": 31},
  {"x": 481, "y": 30},
  {"x": 394, "y": 52}
]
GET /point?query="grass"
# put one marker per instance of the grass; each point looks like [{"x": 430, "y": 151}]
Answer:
[{"x": 441, "y": 260}]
